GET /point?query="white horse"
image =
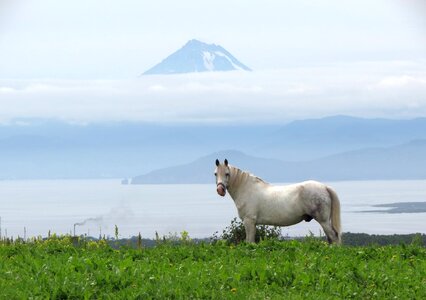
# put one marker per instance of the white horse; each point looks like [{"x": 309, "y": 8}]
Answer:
[{"x": 259, "y": 202}]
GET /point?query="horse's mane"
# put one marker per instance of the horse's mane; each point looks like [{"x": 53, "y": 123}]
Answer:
[{"x": 245, "y": 175}]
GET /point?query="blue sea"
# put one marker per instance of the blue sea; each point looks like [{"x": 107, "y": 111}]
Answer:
[{"x": 35, "y": 207}]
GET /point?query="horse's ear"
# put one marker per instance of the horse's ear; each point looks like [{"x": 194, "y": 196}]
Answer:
[
  {"x": 217, "y": 162},
  {"x": 226, "y": 162}
]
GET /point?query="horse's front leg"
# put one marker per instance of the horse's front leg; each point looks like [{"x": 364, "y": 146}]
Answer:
[{"x": 250, "y": 227}]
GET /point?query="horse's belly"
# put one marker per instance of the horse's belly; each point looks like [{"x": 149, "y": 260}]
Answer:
[
  {"x": 281, "y": 222},
  {"x": 279, "y": 218}
]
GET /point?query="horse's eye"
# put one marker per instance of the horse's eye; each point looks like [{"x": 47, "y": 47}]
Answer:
[
  {"x": 215, "y": 174},
  {"x": 227, "y": 174}
]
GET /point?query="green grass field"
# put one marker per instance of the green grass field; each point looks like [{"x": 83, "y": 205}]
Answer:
[{"x": 57, "y": 269}]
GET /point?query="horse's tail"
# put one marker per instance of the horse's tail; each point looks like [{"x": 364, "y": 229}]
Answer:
[{"x": 335, "y": 213}]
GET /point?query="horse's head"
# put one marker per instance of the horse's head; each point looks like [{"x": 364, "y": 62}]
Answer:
[{"x": 222, "y": 174}]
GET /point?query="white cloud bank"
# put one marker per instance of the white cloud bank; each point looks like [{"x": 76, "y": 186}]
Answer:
[{"x": 374, "y": 89}]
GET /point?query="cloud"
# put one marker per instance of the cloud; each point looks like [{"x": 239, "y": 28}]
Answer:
[
  {"x": 401, "y": 82},
  {"x": 6, "y": 90},
  {"x": 373, "y": 89}
]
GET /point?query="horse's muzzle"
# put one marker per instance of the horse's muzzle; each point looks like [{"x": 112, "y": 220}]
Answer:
[{"x": 221, "y": 189}]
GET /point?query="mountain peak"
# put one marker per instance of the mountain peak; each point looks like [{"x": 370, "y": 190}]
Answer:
[
  {"x": 195, "y": 42},
  {"x": 197, "y": 56}
]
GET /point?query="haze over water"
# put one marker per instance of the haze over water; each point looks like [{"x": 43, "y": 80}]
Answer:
[{"x": 56, "y": 205}]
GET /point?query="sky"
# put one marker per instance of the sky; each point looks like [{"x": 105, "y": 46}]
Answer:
[{"x": 81, "y": 60}]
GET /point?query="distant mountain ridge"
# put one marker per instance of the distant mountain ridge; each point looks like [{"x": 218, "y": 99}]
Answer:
[
  {"x": 310, "y": 139},
  {"x": 407, "y": 161},
  {"x": 196, "y": 56},
  {"x": 48, "y": 149}
]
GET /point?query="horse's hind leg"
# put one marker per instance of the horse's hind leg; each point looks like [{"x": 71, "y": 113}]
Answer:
[{"x": 329, "y": 231}]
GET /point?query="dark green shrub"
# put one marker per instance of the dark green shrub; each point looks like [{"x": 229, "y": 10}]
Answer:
[{"x": 235, "y": 233}]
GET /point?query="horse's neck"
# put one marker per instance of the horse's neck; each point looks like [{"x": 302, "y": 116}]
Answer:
[{"x": 239, "y": 179}]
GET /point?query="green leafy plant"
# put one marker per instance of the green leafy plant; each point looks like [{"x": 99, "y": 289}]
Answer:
[
  {"x": 235, "y": 233},
  {"x": 55, "y": 268}
]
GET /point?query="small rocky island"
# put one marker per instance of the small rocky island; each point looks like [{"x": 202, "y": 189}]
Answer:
[{"x": 400, "y": 207}]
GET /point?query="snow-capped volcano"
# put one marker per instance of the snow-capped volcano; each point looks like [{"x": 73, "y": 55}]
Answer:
[{"x": 197, "y": 56}]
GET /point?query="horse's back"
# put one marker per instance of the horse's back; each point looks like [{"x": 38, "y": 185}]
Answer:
[
  {"x": 301, "y": 190},
  {"x": 305, "y": 197}
]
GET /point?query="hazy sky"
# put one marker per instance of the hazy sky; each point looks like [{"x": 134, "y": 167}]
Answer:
[{"x": 80, "y": 60}]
